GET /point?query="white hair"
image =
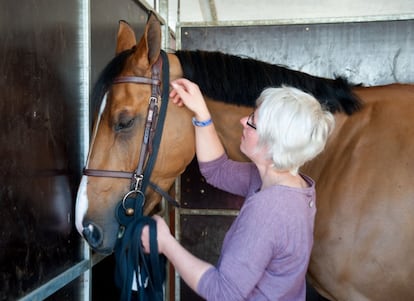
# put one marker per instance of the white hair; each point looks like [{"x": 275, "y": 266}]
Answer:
[{"x": 292, "y": 125}]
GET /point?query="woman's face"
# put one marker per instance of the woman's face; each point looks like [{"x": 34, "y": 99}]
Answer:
[{"x": 250, "y": 138}]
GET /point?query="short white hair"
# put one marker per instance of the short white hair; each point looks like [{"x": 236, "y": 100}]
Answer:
[{"x": 292, "y": 125}]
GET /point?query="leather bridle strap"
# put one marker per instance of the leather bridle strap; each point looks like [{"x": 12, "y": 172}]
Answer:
[
  {"x": 151, "y": 120},
  {"x": 107, "y": 173},
  {"x": 152, "y": 132},
  {"x": 136, "y": 80},
  {"x": 129, "y": 175}
]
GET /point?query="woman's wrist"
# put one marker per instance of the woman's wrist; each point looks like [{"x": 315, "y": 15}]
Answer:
[{"x": 201, "y": 123}]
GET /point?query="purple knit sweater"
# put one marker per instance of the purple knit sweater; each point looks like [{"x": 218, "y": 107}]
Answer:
[{"x": 266, "y": 251}]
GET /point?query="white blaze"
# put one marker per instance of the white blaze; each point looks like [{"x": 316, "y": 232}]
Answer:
[{"x": 82, "y": 202}]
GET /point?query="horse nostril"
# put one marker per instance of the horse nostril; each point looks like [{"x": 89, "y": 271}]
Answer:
[{"x": 93, "y": 235}]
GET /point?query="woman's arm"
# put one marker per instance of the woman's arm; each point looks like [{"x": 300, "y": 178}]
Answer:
[
  {"x": 208, "y": 144},
  {"x": 190, "y": 268},
  {"x": 209, "y": 148}
]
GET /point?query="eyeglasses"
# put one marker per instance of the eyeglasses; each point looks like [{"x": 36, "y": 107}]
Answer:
[{"x": 250, "y": 121}]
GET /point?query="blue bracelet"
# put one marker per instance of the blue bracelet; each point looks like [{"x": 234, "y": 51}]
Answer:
[{"x": 201, "y": 123}]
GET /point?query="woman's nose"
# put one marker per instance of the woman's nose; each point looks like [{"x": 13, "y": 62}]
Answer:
[{"x": 243, "y": 121}]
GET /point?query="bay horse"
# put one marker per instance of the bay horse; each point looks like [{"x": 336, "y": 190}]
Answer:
[{"x": 364, "y": 228}]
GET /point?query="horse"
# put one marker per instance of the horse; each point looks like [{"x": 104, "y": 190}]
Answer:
[{"x": 363, "y": 240}]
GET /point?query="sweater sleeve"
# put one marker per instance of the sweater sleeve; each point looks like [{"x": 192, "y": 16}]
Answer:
[
  {"x": 228, "y": 175},
  {"x": 240, "y": 267}
]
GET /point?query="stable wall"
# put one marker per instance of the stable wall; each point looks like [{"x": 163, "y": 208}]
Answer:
[{"x": 51, "y": 52}]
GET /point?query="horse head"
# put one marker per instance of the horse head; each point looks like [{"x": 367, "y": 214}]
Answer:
[{"x": 117, "y": 136}]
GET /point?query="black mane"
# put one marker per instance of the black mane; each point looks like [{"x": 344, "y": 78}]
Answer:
[{"x": 240, "y": 80}]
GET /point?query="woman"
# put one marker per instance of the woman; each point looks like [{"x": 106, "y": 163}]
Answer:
[{"x": 266, "y": 251}]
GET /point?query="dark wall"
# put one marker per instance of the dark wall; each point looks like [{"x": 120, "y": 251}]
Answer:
[
  {"x": 39, "y": 144},
  {"x": 105, "y": 15},
  {"x": 42, "y": 136}
]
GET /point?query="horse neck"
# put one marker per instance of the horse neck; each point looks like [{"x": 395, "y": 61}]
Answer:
[
  {"x": 223, "y": 115},
  {"x": 175, "y": 67}
]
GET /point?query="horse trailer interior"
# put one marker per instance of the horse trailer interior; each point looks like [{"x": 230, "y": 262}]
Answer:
[{"x": 51, "y": 55}]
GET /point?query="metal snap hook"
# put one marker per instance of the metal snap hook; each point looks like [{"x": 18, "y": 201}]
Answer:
[
  {"x": 131, "y": 211},
  {"x": 138, "y": 182}
]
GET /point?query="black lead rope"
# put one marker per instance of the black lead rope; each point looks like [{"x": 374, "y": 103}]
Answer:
[{"x": 149, "y": 269}]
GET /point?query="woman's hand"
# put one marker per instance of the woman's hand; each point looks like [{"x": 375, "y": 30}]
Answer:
[
  {"x": 188, "y": 266},
  {"x": 163, "y": 233},
  {"x": 185, "y": 92}
]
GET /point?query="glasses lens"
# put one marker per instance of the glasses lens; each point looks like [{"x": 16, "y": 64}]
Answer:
[{"x": 250, "y": 121}]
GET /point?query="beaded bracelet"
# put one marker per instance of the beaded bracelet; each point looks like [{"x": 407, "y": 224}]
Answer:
[{"x": 201, "y": 123}]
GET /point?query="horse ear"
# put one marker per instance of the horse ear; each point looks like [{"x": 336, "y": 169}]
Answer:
[
  {"x": 153, "y": 38},
  {"x": 149, "y": 46},
  {"x": 126, "y": 37}
]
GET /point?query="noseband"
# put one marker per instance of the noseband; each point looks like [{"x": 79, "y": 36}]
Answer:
[{"x": 152, "y": 135}]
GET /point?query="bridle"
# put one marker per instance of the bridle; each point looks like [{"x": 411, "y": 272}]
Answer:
[
  {"x": 129, "y": 254},
  {"x": 152, "y": 135}
]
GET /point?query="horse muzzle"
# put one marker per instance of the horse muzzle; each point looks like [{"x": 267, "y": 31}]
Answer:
[{"x": 93, "y": 235}]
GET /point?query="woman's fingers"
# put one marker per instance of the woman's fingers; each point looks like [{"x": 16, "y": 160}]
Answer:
[
  {"x": 185, "y": 92},
  {"x": 162, "y": 230},
  {"x": 145, "y": 239}
]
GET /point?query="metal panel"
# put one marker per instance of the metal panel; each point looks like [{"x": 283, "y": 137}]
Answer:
[
  {"x": 202, "y": 236},
  {"x": 197, "y": 194},
  {"x": 40, "y": 143},
  {"x": 372, "y": 53}
]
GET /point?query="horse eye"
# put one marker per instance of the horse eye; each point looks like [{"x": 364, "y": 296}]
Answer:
[{"x": 124, "y": 124}]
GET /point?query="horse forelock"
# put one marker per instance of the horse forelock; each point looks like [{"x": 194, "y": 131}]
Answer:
[
  {"x": 106, "y": 77},
  {"x": 240, "y": 80}
]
